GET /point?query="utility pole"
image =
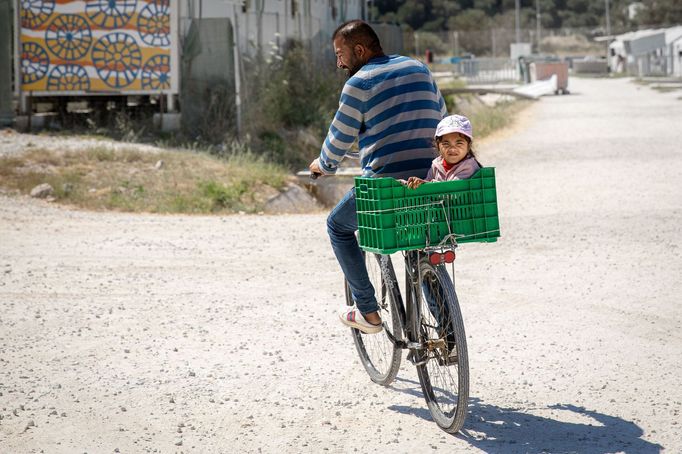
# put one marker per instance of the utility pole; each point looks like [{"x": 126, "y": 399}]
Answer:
[
  {"x": 518, "y": 21},
  {"x": 6, "y": 45},
  {"x": 538, "y": 23},
  {"x": 608, "y": 34},
  {"x": 608, "y": 19},
  {"x": 237, "y": 72}
]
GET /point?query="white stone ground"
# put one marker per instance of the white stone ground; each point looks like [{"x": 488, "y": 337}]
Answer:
[{"x": 146, "y": 333}]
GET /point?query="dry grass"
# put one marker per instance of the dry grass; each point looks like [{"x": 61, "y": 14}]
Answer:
[
  {"x": 571, "y": 45},
  {"x": 487, "y": 120},
  {"x": 101, "y": 178}
]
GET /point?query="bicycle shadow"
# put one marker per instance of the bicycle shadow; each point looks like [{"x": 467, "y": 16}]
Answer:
[{"x": 494, "y": 430}]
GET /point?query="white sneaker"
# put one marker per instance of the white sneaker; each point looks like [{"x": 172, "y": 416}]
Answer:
[{"x": 351, "y": 316}]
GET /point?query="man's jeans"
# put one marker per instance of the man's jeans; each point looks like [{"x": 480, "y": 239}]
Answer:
[{"x": 341, "y": 226}]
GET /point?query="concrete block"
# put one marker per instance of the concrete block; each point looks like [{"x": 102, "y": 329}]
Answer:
[{"x": 167, "y": 122}]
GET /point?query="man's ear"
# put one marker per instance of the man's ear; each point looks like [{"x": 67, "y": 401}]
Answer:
[{"x": 359, "y": 51}]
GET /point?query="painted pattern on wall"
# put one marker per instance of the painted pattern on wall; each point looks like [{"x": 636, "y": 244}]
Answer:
[{"x": 95, "y": 45}]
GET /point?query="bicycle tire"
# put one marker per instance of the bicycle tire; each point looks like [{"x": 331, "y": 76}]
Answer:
[
  {"x": 379, "y": 356},
  {"x": 446, "y": 391}
]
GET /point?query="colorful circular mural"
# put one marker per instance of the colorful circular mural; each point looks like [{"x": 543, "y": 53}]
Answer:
[
  {"x": 35, "y": 13},
  {"x": 34, "y": 62},
  {"x": 110, "y": 14},
  {"x": 156, "y": 73},
  {"x": 68, "y": 36},
  {"x": 117, "y": 59},
  {"x": 68, "y": 78},
  {"x": 154, "y": 23}
]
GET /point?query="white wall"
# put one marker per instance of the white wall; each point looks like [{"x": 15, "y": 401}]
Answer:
[
  {"x": 268, "y": 21},
  {"x": 676, "y": 59}
]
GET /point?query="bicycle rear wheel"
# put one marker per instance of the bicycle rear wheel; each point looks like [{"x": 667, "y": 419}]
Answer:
[
  {"x": 379, "y": 356},
  {"x": 443, "y": 363}
]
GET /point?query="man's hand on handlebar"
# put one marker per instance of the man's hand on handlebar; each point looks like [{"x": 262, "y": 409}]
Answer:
[{"x": 315, "y": 170}]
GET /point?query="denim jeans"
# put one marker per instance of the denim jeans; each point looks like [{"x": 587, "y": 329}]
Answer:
[{"x": 341, "y": 226}]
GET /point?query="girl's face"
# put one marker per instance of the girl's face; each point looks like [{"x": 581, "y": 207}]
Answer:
[{"x": 453, "y": 147}]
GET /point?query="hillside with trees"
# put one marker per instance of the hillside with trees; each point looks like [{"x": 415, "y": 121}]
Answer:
[{"x": 470, "y": 15}]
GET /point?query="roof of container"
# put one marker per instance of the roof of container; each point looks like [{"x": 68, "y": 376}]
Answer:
[{"x": 671, "y": 33}]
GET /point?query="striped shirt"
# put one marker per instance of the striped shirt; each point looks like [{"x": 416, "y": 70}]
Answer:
[{"x": 392, "y": 105}]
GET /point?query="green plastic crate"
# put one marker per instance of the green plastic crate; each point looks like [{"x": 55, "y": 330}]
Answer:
[{"x": 392, "y": 217}]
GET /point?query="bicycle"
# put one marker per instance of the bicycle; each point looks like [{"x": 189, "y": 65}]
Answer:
[
  {"x": 425, "y": 225},
  {"x": 429, "y": 324}
]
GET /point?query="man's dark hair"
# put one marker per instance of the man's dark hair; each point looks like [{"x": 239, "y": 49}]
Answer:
[{"x": 358, "y": 32}]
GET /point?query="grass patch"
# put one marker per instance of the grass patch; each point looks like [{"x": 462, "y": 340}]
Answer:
[
  {"x": 485, "y": 119},
  {"x": 661, "y": 85},
  {"x": 103, "y": 178},
  {"x": 452, "y": 84},
  {"x": 661, "y": 89}
]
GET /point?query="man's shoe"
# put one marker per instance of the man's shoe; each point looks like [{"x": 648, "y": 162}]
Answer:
[{"x": 351, "y": 316}]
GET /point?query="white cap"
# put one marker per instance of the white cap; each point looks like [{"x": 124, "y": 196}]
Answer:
[{"x": 455, "y": 123}]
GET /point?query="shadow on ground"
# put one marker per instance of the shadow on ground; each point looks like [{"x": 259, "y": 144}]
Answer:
[{"x": 498, "y": 430}]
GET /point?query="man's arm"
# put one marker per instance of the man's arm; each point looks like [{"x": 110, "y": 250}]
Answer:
[{"x": 343, "y": 130}]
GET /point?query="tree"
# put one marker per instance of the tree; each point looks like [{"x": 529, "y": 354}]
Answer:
[
  {"x": 489, "y": 6},
  {"x": 387, "y": 6},
  {"x": 471, "y": 19},
  {"x": 661, "y": 12},
  {"x": 445, "y": 9},
  {"x": 476, "y": 23},
  {"x": 470, "y": 15},
  {"x": 413, "y": 13}
]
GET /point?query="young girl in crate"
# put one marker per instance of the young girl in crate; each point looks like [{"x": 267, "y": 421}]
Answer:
[{"x": 456, "y": 161}]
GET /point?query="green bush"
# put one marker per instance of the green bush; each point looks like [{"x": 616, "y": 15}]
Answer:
[
  {"x": 290, "y": 106},
  {"x": 223, "y": 196}
]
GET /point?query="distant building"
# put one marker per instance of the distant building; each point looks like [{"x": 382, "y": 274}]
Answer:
[
  {"x": 262, "y": 23},
  {"x": 653, "y": 52},
  {"x": 192, "y": 51}
]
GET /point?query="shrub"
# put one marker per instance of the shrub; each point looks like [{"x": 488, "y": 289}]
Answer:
[{"x": 288, "y": 103}]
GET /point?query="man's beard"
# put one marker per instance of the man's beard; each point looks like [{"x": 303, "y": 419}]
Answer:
[{"x": 355, "y": 65}]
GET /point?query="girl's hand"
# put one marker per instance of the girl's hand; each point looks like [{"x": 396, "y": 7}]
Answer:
[{"x": 414, "y": 182}]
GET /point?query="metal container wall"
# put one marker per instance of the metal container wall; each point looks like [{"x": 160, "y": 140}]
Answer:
[{"x": 545, "y": 70}]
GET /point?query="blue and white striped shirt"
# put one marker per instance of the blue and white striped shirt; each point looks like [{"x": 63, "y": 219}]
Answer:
[{"x": 393, "y": 106}]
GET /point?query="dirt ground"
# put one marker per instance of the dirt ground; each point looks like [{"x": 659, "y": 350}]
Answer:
[{"x": 147, "y": 333}]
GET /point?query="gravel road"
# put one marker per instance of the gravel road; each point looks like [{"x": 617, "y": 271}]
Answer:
[{"x": 148, "y": 333}]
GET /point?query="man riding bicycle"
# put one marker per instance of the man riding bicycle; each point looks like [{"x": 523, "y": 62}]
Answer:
[{"x": 391, "y": 105}]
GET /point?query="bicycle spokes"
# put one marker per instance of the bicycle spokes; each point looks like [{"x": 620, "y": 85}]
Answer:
[
  {"x": 442, "y": 364},
  {"x": 380, "y": 353}
]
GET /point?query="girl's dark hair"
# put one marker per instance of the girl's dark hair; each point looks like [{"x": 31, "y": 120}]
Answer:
[{"x": 358, "y": 32}]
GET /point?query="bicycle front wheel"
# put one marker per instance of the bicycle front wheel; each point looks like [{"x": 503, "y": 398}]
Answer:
[
  {"x": 379, "y": 356},
  {"x": 443, "y": 362}
]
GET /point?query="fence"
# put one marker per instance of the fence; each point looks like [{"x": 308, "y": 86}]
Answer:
[
  {"x": 495, "y": 42},
  {"x": 478, "y": 71}
]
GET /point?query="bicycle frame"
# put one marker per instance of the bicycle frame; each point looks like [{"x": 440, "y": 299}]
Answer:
[
  {"x": 429, "y": 325},
  {"x": 412, "y": 259}
]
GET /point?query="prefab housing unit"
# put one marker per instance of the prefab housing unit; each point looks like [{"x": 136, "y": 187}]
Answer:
[
  {"x": 654, "y": 52},
  {"x": 114, "y": 49}
]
